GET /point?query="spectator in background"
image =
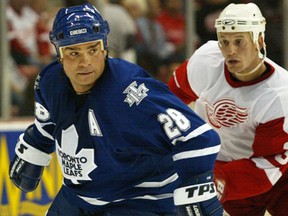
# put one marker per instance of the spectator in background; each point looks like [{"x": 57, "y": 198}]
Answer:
[
  {"x": 28, "y": 35},
  {"x": 69, "y": 3},
  {"x": 121, "y": 40},
  {"x": 151, "y": 45},
  {"x": 23, "y": 50},
  {"x": 135, "y": 8},
  {"x": 206, "y": 14},
  {"x": 40, "y": 10},
  {"x": 273, "y": 12},
  {"x": 21, "y": 34},
  {"x": 172, "y": 20}
]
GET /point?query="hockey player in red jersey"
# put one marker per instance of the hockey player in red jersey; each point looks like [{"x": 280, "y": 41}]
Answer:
[{"x": 244, "y": 95}]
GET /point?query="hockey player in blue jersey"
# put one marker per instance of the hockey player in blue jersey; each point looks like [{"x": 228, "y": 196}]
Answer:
[{"x": 125, "y": 143}]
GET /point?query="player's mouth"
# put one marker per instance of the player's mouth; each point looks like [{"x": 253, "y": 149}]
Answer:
[
  {"x": 232, "y": 62},
  {"x": 85, "y": 73}
]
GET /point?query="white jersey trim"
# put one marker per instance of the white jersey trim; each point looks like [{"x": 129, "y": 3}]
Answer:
[
  {"x": 197, "y": 153},
  {"x": 200, "y": 130},
  {"x": 176, "y": 81},
  {"x": 159, "y": 184},
  {"x": 98, "y": 202},
  {"x": 40, "y": 126}
]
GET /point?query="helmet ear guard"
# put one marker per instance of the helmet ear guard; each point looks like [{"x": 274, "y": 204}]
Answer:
[{"x": 78, "y": 24}]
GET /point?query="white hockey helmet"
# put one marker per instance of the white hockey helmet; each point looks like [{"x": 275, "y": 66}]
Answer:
[{"x": 241, "y": 18}]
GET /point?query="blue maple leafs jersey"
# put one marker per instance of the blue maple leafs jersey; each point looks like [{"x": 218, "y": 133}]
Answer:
[{"x": 131, "y": 142}]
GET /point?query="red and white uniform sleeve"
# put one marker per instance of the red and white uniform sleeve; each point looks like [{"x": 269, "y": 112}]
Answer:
[
  {"x": 180, "y": 86},
  {"x": 255, "y": 175}
]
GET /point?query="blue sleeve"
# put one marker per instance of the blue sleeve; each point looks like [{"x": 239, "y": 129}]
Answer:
[
  {"x": 40, "y": 133},
  {"x": 195, "y": 144},
  {"x": 171, "y": 127}
]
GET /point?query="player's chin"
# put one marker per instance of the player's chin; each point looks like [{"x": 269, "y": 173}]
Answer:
[
  {"x": 233, "y": 69},
  {"x": 86, "y": 78}
]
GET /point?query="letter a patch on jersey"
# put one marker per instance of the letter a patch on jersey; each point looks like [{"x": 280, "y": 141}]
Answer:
[{"x": 93, "y": 124}]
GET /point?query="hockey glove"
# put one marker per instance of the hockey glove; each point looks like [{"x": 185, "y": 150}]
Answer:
[
  {"x": 27, "y": 166},
  {"x": 198, "y": 198}
]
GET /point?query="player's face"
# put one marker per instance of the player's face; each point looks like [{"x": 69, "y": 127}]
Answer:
[
  {"x": 83, "y": 64},
  {"x": 239, "y": 51}
]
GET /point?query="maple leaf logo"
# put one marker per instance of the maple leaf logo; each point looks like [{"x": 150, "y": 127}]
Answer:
[{"x": 74, "y": 166}]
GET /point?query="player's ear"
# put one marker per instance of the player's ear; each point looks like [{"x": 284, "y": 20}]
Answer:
[
  {"x": 106, "y": 53},
  {"x": 260, "y": 41}
]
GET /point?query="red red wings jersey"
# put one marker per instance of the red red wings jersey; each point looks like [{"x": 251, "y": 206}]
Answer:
[{"x": 250, "y": 117}]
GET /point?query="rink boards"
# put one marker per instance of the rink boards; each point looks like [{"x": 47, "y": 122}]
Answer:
[{"x": 13, "y": 201}]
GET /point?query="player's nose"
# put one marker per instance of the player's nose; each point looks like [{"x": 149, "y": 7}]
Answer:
[{"x": 84, "y": 60}]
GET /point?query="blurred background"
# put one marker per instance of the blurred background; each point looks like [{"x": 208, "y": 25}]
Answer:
[{"x": 156, "y": 34}]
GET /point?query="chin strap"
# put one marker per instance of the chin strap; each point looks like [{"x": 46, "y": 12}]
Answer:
[{"x": 250, "y": 72}]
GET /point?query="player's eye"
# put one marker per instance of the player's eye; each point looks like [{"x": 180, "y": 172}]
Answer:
[
  {"x": 73, "y": 53},
  {"x": 224, "y": 43},
  {"x": 239, "y": 42},
  {"x": 92, "y": 51}
]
